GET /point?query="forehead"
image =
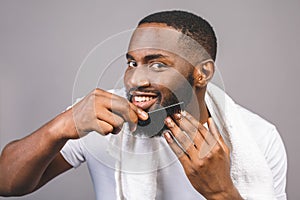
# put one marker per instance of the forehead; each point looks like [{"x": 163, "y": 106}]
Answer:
[
  {"x": 165, "y": 39},
  {"x": 154, "y": 37}
]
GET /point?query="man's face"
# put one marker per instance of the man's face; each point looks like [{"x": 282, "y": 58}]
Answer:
[{"x": 157, "y": 74}]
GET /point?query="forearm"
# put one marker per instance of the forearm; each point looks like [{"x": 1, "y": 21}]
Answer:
[
  {"x": 26, "y": 164},
  {"x": 23, "y": 162}
]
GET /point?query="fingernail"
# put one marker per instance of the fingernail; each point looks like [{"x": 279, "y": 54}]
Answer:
[
  {"x": 168, "y": 136},
  {"x": 133, "y": 127},
  {"x": 209, "y": 120},
  {"x": 177, "y": 116},
  {"x": 143, "y": 114},
  {"x": 183, "y": 113},
  {"x": 169, "y": 122}
]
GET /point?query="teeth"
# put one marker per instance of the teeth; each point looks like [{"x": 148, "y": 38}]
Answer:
[{"x": 142, "y": 98}]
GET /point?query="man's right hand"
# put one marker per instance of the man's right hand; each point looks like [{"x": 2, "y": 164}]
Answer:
[
  {"x": 102, "y": 112},
  {"x": 29, "y": 163}
]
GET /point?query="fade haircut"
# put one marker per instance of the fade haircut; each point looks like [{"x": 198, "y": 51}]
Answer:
[{"x": 189, "y": 24}]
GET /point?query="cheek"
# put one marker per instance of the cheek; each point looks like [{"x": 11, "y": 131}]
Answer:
[
  {"x": 126, "y": 79},
  {"x": 178, "y": 86},
  {"x": 172, "y": 81}
]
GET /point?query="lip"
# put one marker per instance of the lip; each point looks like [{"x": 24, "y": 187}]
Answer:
[{"x": 144, "y": 100}]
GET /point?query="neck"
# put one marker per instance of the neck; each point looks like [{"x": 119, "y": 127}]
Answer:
[{"x": 197, "y": 107}]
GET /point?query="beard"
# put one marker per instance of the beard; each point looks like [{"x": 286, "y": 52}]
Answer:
[{"x": 154, "y": 125}]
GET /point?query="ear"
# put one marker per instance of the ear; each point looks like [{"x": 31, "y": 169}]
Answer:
[{"x": 203, "y": 73}]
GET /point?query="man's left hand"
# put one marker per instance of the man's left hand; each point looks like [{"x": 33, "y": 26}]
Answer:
[{"x": 203, "y": 155}]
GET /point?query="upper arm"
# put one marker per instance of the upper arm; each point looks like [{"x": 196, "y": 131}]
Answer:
[
  {"x": 277, "y": 160},
  {"x": 55, "y": 168},
  {"x": 271, "y": 145}
]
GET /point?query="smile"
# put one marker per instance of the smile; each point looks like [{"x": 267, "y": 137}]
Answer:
[{"x": 144, "y": 100}]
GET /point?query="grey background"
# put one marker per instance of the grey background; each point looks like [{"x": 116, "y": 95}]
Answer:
[{"x": 42, "y": 44}]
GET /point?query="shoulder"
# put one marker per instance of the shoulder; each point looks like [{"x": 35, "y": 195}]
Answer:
[
  {"x": 264, "y": 133},
  {"x": 270, "y": 143},
  {"x": 260, "y": 126}
]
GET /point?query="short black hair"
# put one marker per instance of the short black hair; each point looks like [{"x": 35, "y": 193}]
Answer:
[{"x": 189, "y": 24}]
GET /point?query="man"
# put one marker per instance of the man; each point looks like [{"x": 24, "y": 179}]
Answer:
[{"x": 211, "y": 148}]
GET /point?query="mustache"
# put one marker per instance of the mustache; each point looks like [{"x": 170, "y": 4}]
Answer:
[
  {"x": 141, "y": 89},
  {"x": 171, "y": 99}
]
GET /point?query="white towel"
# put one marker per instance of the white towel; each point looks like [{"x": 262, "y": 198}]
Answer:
[
  {"x": 138, "y": 159},
  {"x": 137, "y": 169},
  {"x": 249, "y": 170}
]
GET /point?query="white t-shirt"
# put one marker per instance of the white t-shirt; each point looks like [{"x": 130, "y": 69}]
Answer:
[{"x": 172, "y": 182}]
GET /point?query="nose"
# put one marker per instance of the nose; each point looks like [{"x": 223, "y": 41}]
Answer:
[{"x": 139, "y": 77}]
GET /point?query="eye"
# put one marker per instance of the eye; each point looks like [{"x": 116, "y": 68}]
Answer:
[
  {"x": 158, "y": 66},
  {"x": 132, "y": 63}
]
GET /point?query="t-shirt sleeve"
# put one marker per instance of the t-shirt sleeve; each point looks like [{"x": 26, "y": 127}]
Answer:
[
  {"x": 272, "y": 147},
  {"x": 277, "y": 160},
  {"x": 73, "y": 153},
  {"x": 72, "y": 150}
]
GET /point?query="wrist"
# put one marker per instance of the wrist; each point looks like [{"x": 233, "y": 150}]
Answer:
[
  {"x": 230, "y": 193},
  {"x": 63, "y": 126}
]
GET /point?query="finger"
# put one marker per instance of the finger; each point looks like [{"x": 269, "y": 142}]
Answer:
[
  {"x": 211, "y": 138},
  {"x": 181, "y": 138},
  {"x": 140, "y": 112},
  {"x": 206, "y": 140},
  {"x": 103, "y": 127},
  {"x": 107, "y": 101},
  {"x": 200, "y": 143},
  {"x": 202, "y": 130},
  {"x": 181, "y": 155},
  {"x": 189, "y": 129},
  {"x": 195, "y": 122},
  {"x": 113, "y": 119},
  {"x": 223, "y": 145},
  {"x": 123, "y": 108},
  {"x": 213, "y": 128},
  {"x": 215, "y": 132},
  {"x": 203, "y": 139}
]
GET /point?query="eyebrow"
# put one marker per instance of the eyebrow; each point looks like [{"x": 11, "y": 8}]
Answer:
[
  {"x": 153, "y": 57},
  {"x": 148, "y": 57},
  {"x": 128, "y": 56}
]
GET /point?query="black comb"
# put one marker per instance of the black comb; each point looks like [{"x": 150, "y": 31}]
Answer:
[{"x": 155, "y": 122}]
